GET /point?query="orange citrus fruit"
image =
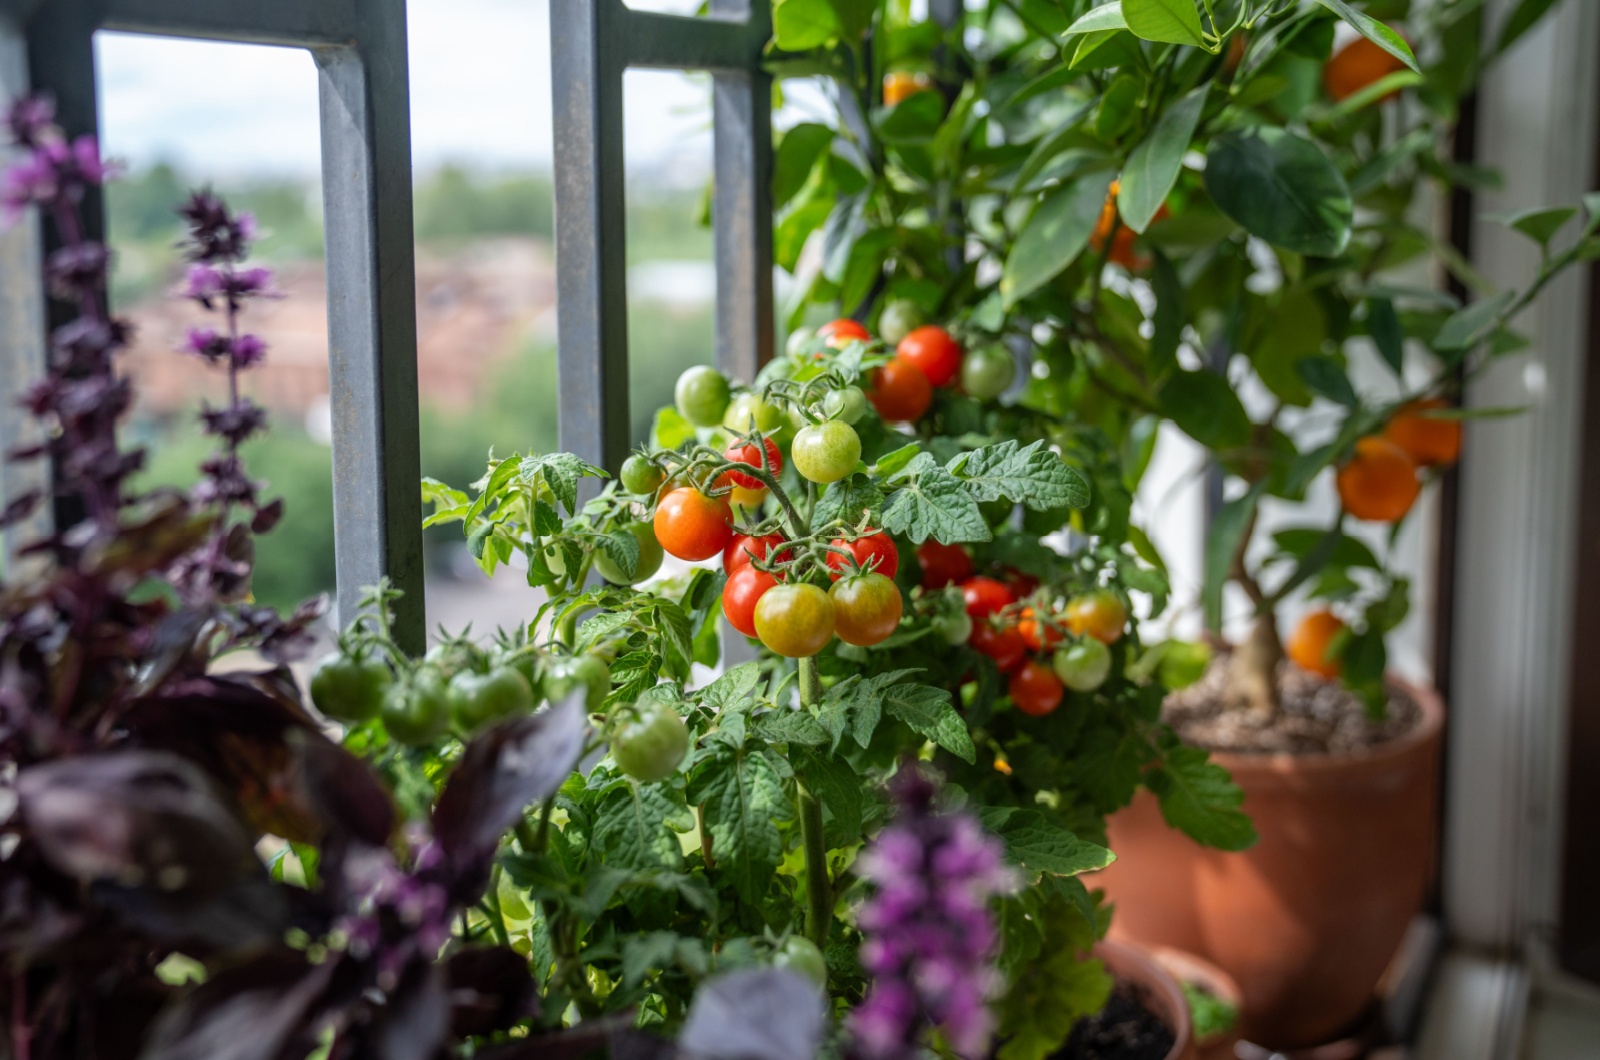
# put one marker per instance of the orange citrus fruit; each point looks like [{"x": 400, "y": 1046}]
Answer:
[
  {"x": 1357, "y": 65},
  {"x": 1379, "y": 483},
  {"x": 1309, "y": 643},
  {"x": 1428, "y": 440},
  {"x": 1122, "y": 251},
  {"x": 900, "y": 86}
]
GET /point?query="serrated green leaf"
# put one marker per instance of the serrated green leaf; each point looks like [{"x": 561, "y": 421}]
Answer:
[
  {"x": 927, "y": 501},
  {"x": 633, "y": 675},
  {"x": 1374, "y": 31},
  {"x": 622, "y": 548},
  {"x": 741, "y": 797},
  {"x": 1199, "y": 799},
  {"x": 1055, "y": 235},
  {"x": 928, "y": 711},
  {"x": 1154, "y": 165},
  {"x": 734, "y": 689},
  {"x": 847, "y": 500},
  {"x": 1042, "y": 845},
  {"x": 647, "y": 953},
  {"x": 892, "y": 463},
  {"x": 631, "y": 828},
  {"x": 561, "y": 472},
  {"x": 789, "y": 726},
  {"x": 596, "y": 627},
  {"x": 677, "y": 638},
  {"x": 1031, "y": 475},
  {"x": 832, "y": 780}
]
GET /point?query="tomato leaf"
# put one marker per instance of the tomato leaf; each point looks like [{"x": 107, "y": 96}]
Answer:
[
  {"x": 928, "y": 711},
  {"x": 1030, "y": 475},
  {"x": 741, "y": 797},
  {"x": 1042, "y": 845},
  {"x": 931, "y": 502},
  {"x": 832, "y": 780},
  {"x": 561, "y": 472},
  {"x": 1201, "y": 800},
  {"x": 633, "y": 826},
  {"x": 734, "y": 688}
]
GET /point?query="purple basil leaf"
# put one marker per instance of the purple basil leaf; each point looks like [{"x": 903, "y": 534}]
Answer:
[
  {"x": 253, "y": 1012},
  {"x": 343, "y": 790},
  {"x": 412, "y": 1026},
  {"x": 135, "y": 818},
  {"x": 612, "y": 1036},
  {"x": 175, "y": 640},
  {"x": 490, "y": 989},
  {"x": 251, "y": 913},
  {"x": 755, "y": 1014},
  {"x": 502, "y": 772}
]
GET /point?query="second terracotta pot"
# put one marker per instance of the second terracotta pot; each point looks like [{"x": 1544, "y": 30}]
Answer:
[
  {"x": 1308, "y": 918},
  {"x": 1157, "y": 989}
]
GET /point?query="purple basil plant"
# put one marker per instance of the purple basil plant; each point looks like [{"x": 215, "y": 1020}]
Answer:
[{"x": 929, "y": 935}]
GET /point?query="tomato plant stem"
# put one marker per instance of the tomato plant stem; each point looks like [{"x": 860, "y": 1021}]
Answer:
[{"x": 819, "y": 889}]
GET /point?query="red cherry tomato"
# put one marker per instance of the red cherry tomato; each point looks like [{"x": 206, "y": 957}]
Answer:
[
  {"x": 1020, "y": 583},
  {"x": 840, "y": 333},
  {"x": 877, "y": 546},
  {"x": 739, "y": 597},
  {"x": 743, "y": 547},
  {"x": 900, "y": 392},
  {"x": 933, "y": 351},
  {"x": 866, "y": 608},
  {"x": 1037, "y": 634},
  {"x": 1035, "y": 689},
  {"x": 749, "y": 454},
  {"x": 1003, "y": 644},
  {"x": 691, "y": 525},
  {"x": 985, "y": 596},
  {"x": 943, "y": 564}
]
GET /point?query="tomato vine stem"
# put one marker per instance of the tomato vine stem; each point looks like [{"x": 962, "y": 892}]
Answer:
[{"x": 819, "y": 889}]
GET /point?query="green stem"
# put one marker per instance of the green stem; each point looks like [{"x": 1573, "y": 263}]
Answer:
[
  {"x": 819, "y": 889},
  {"x": 497, "y": 922}
]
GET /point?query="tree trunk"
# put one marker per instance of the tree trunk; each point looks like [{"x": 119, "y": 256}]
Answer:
[{"x": 1253, "y": 670}]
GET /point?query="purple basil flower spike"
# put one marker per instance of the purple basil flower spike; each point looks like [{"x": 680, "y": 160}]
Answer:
[
  {"x": 930, "y": 940},
  {"x": 31, "y": 120}
]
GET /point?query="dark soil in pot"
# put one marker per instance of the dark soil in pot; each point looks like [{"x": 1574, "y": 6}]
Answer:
[
  {"x": 1317, "y": 716},
  {"x": 1124, "y": 1030}
]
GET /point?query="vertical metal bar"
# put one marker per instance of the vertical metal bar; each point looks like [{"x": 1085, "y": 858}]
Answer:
[
  {"x": 372, "y": 342},
  {"x": 591, "y": 246},
  {"x": 22, "y": 327},
  {"x": 742, "y": 203}
]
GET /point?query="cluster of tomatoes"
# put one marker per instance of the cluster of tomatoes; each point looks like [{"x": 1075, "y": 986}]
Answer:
[
  {"x": 925, "y": 359},
  {"x": 1381, "y": 480},
  {"x": 1043, "y": 651}
]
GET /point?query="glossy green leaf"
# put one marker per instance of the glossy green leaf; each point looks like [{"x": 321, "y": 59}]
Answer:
[
  {"x": 1524, "y": 17},
  {"x": 1154, "y": 165},
  {"x": 1384, "y": 327},
  {"x": 1374, "y": 31},
  {"x": 1281, "y": 188},
  {"x": 795, "y": 157},
  {"x": 800, "y": 25},
  {"x": 1106, "y": 17},
  {"x": 1222, "y": 543},
  {"x": 1204, "y": 406},
  {"x": 1539, "y": 225},
  {"x": 1325, "y": 376},
  {"x": 1468, "y": 327},
  {"x": 1056, "y": 234},
  {"x": 1169, "y": 21}
]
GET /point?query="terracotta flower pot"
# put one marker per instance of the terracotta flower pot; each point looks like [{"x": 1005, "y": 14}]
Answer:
[
  {"x": 1157, "y": 989},
  {"x": 1308, "y": 918},
  {"x": 1186, "y": 967}
]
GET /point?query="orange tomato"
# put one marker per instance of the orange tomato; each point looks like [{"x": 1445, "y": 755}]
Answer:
[
  {"x": 1099, "y": 614},
  {"x": 900, "y": 86},
  {"x": 1379, "y": 483},
  {"x": 1309, "y": 643},
  {"x": 1428, "y": 440},
  {"x": 1038, "y": 634},
  {"x": 900, "y": 391}
]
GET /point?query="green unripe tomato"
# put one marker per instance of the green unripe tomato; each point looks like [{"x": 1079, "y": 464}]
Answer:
[
  {"x": 649, "y": 558},
  {"x": 800, "y": 954},
  {"x": 651, "y": 745},
  {"x": 641, "y": 477},
  {"x": 585, "y": 671},
  {"x": 899, "y": 318},
  {"x": 1183, "y": 663},
  {"x": 987, "y": 372},
  {"x": 799, "y": 341},
  {"x": 1083, "y": 665},
  {"x": 417, "y": 712},
  {"x": 826, "y": 452},
  {"x": 350, "y": 690},
  {"x": 749, "y": 412},
  {"x": 954, "y": 626},
  {"x": 478, "y": 699},
  {"x": 702, "y": 395},
  {"x": 846, "y": 405}
]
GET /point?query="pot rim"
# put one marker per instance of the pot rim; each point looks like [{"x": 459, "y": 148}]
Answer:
[
  {"x": 1425, "y": 733},
  {"x": 1133, "y": 962}
]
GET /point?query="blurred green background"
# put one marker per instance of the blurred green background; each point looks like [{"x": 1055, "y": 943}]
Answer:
[{"x": 514, "y": 410}]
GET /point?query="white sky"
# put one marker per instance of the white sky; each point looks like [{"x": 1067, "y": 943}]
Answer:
[{"x": 480, "y": 94}]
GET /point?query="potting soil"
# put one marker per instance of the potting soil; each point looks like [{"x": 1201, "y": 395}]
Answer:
[{"x": 1124, "y": 1030}]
